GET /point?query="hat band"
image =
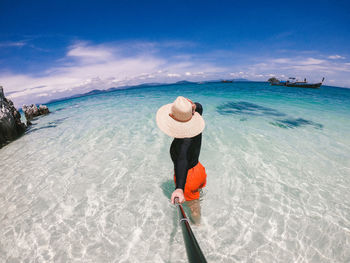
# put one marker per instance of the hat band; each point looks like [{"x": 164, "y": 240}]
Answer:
[{"x": 172, "y": 116}]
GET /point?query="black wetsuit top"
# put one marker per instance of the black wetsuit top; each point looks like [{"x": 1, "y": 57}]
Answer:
[{"x": 185, "y": 154}]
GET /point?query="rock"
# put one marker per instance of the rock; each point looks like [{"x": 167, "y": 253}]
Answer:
[
  {"x": 2, "y": 96},
  {"x": 43, "y": 110},
  {"x": 30, "y": 111},
  {"x": 11, "y": 126},
  {"x": 33, "y": 111}
]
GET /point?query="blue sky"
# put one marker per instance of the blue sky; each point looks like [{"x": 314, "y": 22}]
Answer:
[{"x": 51, "y": 49}]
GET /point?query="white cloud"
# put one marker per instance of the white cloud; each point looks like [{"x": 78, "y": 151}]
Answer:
[
  {"x": 43, "y": 95},
  {"x": 311, "y": 68},
  {"x": 173, "y": 75},
  {"x": 86, "y": 67},
  {"x": 12, "y": 44},
  {"x": 84, "y": 52},
  {"x": 311, "y": 61},
  {"x": 336, "y": 57},
  {"x": 199, "y": 73},
  {"x": 307, "y": 61},
  {"x": 282, "y": 60}
]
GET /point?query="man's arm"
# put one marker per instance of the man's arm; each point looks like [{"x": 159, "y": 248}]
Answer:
[
  {"x": 198, "y": 108},
  {"x": 181, "y": 169}
]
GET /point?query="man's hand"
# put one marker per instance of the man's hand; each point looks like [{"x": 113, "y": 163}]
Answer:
[
  {"x": 178, "y": 193},
  {"x": 193, "y": 106}
]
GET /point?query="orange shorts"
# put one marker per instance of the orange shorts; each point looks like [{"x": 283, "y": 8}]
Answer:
[{"x": 196, "y": 179}]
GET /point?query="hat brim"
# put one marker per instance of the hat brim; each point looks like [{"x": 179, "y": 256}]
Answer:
[{"x": 179, "y": 129}]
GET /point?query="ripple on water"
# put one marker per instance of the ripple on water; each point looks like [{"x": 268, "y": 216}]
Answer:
[{"x": 80, "y": 187}]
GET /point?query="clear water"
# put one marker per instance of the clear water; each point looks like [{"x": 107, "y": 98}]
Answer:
[{"x": 91, "y": 181}]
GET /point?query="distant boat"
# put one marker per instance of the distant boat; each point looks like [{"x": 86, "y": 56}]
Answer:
[
  {"x": 291, "y": 82},
  {"x": 227, "y": 81}
]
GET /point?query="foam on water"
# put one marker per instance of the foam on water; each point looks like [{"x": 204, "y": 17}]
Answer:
[{"x": 91, "y": 181}]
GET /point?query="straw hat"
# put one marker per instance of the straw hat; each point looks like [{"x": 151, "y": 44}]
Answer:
[{"x": 176, "y": 119}]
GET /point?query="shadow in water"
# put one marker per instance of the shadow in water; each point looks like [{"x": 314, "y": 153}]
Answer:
[
  {"x": 295, "y": 123},
  {"x": 247, "y": 108},
  {"x": 59, "y": 109},
  {"x": 168, "y": 187},
  {"x": 40, "y": 128},
  {"x": 58, "y": 121},
  {"x": 51, "y": 124}
]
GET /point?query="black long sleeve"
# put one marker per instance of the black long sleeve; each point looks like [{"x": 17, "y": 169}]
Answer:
[{"x": 181, "y": 164}]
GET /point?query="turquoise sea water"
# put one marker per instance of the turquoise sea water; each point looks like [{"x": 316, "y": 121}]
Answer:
[{"x": 91, "y": 181}]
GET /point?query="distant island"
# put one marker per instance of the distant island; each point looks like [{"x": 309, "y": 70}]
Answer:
[{"x": 154, "y": 84}]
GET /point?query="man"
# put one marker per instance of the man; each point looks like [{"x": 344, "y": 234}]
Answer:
[{"x": 183, "y": 120}]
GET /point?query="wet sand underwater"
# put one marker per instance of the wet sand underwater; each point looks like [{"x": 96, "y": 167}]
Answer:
[{"x": 91, "y": 181}]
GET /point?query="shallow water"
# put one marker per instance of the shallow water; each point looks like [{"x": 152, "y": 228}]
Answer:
[{"x": 91, "y": 181}]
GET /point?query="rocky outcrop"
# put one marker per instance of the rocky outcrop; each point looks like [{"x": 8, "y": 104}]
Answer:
[
  {"x": 11, "y": 126},
  {"x": 33, "y": 111},
  {"x": 43, "y": 109}
]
